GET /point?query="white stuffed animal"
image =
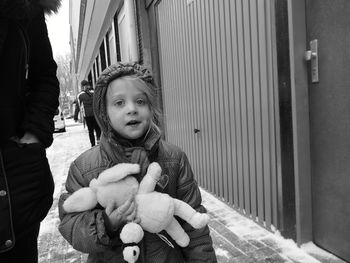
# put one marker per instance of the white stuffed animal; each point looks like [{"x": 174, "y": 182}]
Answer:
[{"x": 155, "y": 210}]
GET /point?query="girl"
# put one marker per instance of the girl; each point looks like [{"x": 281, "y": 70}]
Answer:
[{"x": 125, "y": 108}]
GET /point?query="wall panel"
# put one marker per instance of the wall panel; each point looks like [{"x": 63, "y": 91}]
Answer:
[{"x": 218, "y": 76}]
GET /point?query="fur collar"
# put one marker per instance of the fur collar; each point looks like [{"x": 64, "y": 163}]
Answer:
[
  {"x": 50, "y": 6},
  {"x": 23, "y": 9}
]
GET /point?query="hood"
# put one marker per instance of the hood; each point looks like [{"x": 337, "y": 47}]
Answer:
[
  {"x": 116, "y": 147},
  {"x": 112, "y": 72},
  {"x": 21, "y": 9}
]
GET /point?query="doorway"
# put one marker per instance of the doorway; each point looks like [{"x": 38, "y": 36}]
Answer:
[{"x": 328, "y": 22}]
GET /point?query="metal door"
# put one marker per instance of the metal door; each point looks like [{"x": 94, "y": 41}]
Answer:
[
  {"x": 219, "y": 83},
  {"x": 328, "y": 21}
]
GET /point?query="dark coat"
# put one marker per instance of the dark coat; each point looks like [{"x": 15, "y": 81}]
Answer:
[
  {"x": 85, "y": 100},
  {"x": 29, "y": 86},
  {"x": 86, "y": 231},
  {"x": 29, "y": 98}
]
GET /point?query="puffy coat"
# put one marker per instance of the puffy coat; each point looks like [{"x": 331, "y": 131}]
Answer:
[
  {"x": 29, "y": 98},
  {"x": 86, "y": 231},
  {"x": 29, "y": 86}
]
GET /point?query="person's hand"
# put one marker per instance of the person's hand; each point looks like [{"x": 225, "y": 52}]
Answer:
[
  {"x": 28, "y": 138},
  {"x": 120, "y": 215}
]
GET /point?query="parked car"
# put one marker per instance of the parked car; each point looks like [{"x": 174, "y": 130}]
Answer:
[{"x": 60, "y": 124}]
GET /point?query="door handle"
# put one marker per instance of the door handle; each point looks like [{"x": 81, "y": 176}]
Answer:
[{"x": 312, "y": 56}]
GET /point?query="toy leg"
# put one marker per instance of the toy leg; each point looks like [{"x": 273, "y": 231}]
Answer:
[
  {"x": 191, "y": 216},
  {"x": 151, "y": 178},
  {"x": 177, "y": 233},
  {"x": 81, "y": 200}
]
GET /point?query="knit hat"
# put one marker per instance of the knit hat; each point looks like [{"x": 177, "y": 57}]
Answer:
[{"x": 109, "y": 74}]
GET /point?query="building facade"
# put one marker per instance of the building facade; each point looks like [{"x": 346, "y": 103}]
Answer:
[{"x": 264, "y": 122}]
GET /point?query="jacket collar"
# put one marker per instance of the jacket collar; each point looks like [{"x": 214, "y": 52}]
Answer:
[
  {"x": 115, "y": 146},
  {"x": 121, "y": 151}
]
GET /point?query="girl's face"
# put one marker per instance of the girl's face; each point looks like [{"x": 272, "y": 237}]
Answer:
[{"x": 128, "y": 108}]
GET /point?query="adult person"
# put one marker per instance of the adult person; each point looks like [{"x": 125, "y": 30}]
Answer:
[
  {"x": 85, "y": 101},
  {"x": 29, "y": 98}
]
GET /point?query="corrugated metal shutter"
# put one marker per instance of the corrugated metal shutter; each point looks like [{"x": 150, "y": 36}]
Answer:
[{"x": 219, "y": 77}]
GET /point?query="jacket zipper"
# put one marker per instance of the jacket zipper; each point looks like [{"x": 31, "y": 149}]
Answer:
[{"x": 26, "y": 49}]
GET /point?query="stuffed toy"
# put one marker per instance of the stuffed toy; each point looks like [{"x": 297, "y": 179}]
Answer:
[{"x": 155, "y": 210}]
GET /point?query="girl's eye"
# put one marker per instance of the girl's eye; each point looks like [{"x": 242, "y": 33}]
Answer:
[
  {"x": 119, "y": 103},
  {"x": 141, "y": 102}
]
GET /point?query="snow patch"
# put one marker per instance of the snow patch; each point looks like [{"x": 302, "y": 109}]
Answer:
[
  {"x": 291, "y": 250},
  {"x": 318, "y": 252},
  {"x": 247, "y": 228},
  {"x": 222, "y": 252}
]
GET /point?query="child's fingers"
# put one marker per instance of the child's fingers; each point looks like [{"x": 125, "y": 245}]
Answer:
[
  {"x": 127, "y": 210},
  {"x": 125, "y": 206},
  {"x": 131, "y": 216},
  {"x": 110, "y": 207}
]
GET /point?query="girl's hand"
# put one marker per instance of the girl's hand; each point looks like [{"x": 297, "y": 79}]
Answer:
[{"x": 119, "y": 215}]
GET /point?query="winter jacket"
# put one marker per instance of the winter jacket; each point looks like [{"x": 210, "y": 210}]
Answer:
[
  {"x": 29, "y": 98},
  {"x": 86, "y": 231},
  {"x": 85, "y": 102},
  {"x": 29, "y": 86}
]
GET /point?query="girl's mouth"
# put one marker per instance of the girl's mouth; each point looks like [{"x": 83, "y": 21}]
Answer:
[{"x": 132, "y": 123}]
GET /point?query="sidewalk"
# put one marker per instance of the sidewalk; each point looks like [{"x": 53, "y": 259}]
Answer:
[{"x": 236, "y": 238}]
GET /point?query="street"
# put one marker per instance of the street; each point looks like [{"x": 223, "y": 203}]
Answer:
[{"x": 236, "y": 238}]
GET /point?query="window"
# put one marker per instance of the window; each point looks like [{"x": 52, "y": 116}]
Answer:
[
  {"x": 103, "y": 56},
  {"x": 114, "y": 41},
  {"x": 108, "y": 55},
  {"x": 127, "y": 32}
]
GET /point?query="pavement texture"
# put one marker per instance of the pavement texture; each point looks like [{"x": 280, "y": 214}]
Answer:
[{"x": 236, "y": 238}]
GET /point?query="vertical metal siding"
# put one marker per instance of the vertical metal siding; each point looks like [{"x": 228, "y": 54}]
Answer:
[{"x": 219, "y": 76}]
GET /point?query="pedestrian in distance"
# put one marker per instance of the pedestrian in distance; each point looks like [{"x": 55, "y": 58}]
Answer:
[
  {"x": 76, "y": 108},
  {"x": 29, "y": 99},
  {"x": 85, "y": 98},
  {"x": 125, "y": 105}
]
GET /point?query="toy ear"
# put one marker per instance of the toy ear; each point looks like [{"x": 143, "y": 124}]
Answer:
[
  {"x": 81, "y": 200},
  {"x": 117, "y": 173},
  {"x": 151, "y": 178},
  {"x": 154, "y": 170}
]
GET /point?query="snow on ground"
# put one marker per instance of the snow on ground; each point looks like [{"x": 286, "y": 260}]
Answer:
[
  {"x": 246, "y": 228},
  {"x": 65, "y": 148},
  {"x": 319, "y": 253}
]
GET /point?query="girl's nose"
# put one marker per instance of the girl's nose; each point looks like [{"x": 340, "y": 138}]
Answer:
[{"x": 131, "y": 108}]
